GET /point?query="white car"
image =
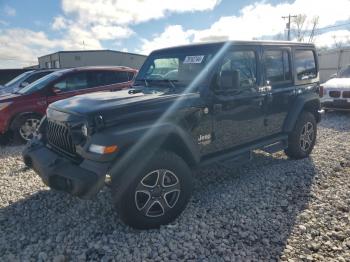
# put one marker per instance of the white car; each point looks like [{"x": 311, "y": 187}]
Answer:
[{"x": 335, "y": 93}]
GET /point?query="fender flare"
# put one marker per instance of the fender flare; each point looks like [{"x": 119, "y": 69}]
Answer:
[
  {"x": 309, "y": 102},
  {"x": 135, "y": 156}
]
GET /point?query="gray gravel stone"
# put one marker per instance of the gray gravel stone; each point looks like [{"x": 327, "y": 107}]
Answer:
[{"x": 272, "y": 209}]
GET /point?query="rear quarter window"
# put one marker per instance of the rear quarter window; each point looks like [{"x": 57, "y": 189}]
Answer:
[{"x": 305, "y": 65}]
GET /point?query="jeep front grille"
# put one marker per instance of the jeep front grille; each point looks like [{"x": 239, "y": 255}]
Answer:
[{"x": 59, "y": 137}]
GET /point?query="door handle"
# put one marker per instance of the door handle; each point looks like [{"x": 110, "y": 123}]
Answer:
[{"x": 217, "y": 107}]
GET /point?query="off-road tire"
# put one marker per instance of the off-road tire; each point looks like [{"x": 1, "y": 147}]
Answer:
[
  {"x": 295, "y": 148},
  {"x": 128, "y": 206}
]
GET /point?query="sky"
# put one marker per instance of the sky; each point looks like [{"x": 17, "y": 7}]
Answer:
[{"x": 33, "y": 28}]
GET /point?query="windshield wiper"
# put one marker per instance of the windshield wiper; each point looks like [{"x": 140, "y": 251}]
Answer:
[{"x": 170, "y": 82}]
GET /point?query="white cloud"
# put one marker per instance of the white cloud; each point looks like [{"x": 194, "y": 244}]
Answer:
[
  {"x": 256, "y": 20},
  {"x": 111, "y": 32},
  {"x": 84, "y": 24},
  {"x": 31, "y": 45},
  {"x": 59, "y": 23},
  {"x": 9, "y": 11},
  {"x": 35, "y": 44},
  {"x": 173, "y": 35},
  {"x": 131, "y": 11},
  {"x": 111, "y": 19}
]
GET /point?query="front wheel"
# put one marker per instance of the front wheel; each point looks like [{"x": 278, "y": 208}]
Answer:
[
  {"x": 158, "y": 194},
  {"x": 302, "y": 139},
  {"x": 26, "y": 127}
]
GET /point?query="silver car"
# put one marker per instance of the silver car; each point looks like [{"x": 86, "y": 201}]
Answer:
[{"x": 23, "y": 80}]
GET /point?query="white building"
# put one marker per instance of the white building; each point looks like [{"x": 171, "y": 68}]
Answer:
[
  {"x": 331, "y": 61},
  {"x": 68, "y": 59}
]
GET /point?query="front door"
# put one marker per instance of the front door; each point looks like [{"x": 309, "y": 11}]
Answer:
[
  {"x": 238, "y": 112},
  {"x": 70, "y": 85}
]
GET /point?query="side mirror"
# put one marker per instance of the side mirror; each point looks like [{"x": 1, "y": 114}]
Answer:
[
  {"x": 56, "y": 90},
  {"x": 230, "y": 80},
  {"x": 24, "y": 84}
]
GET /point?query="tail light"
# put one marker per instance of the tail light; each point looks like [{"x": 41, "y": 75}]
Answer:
[{"x": 321, "y": 91}]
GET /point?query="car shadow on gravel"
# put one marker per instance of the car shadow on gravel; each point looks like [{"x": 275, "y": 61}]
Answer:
[{"x": 240, "y": 213}]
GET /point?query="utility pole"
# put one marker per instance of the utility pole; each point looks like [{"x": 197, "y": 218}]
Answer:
[{"x": 288, "y": 24}]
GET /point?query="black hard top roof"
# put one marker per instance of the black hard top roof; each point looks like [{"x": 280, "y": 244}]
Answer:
[{"x": 240, "y": 42}]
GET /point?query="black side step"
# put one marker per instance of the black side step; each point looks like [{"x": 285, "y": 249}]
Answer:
[
  {"x": 276, "y": 147},
  {"x": 244, "y": 154}
]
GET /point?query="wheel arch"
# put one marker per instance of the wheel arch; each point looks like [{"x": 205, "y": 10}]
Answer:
[
  {"x": 16, "y": 118},
  {"x": 310, "y": 103},
  {"x": 167, "y": 138}
]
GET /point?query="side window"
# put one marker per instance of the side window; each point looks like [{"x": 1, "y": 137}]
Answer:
[
  {"x": 122, "y": 77},
  {"x": 131, "y": 76},
  {"x": 305, "y": 64},
  {"x": 35, "y": 77},
  {"x": 73, "y": 82},
  {"x": 115, "y": 77},
  {"x": 110, "y": 77},
  {"x": 277, "y": 66},
  {"x": 245, "y": 63}
]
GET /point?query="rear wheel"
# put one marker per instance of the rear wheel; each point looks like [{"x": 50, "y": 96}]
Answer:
[
  {"x": 302, "y": 139},
  {"x": 158, "y": 194}
]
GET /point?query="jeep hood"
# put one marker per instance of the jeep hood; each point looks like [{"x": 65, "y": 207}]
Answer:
[
  {"x": 337, "y": 83},
  {"x": 109, "y": 102}
]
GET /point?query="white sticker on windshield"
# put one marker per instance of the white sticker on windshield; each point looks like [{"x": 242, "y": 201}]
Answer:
[{"x": 197, "y": 59}]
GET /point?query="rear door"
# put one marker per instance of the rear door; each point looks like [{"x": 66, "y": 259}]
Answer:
[
  {"x": 111, "y": 80},
  {"x": 277, "y": 72}
]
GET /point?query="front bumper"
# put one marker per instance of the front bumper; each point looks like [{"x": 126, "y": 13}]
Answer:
[
  {"x": 83, "y": 179},
  {"x": 336, "y": 105}
]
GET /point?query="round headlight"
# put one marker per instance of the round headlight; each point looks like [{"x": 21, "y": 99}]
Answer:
[{"x": 84, "y": 130}]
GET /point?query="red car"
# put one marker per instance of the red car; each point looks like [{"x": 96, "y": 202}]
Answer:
[{"x": 21, "y": 112}]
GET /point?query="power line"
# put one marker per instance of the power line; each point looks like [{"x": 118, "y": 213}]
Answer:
[{"x": 333, "y": 26}]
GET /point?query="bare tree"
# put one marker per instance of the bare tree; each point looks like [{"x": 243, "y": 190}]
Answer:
[
  {"x": 337, "y": 43},
  {"x": 314, "y": 23},
  {"x": 304, "y": 28},
  {"x": 299, "y": 22}
]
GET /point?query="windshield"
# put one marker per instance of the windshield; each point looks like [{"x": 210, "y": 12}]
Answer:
[
  {"x": 39, "y": 84},
  {"x": 18, "y": 79},
  {"x": 345, "y": 73},
  {"x": 174, "y": 68}
]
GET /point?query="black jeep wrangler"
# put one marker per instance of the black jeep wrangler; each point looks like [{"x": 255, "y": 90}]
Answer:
[{"x": 189, "y": 106}]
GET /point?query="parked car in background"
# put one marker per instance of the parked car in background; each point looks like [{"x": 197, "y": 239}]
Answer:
[
  {"x": 21, "y": 111},
  {"x": 335, "y": 93},
  {"x": 23, "y": 80}
]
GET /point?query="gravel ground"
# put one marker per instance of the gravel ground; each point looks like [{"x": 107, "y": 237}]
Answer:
[{"x": 272, "y": 209}]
